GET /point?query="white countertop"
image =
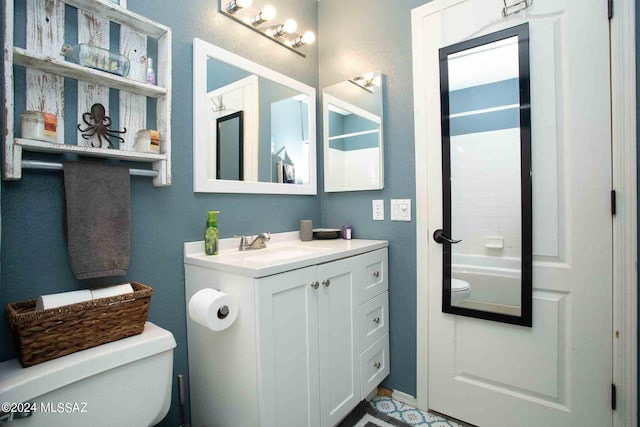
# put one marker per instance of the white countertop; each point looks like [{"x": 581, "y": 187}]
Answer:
[{"x": 284, "y": 252}]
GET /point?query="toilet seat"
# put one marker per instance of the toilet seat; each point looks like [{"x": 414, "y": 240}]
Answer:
[{"x": 458, "y": 285}]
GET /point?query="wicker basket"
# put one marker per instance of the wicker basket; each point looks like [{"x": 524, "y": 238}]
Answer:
[{"x": 48, "y": 334}]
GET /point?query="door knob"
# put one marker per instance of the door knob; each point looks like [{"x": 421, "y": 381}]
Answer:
[
  {"x": 377, "y": 365},
  {"x": 326, "y": 282},
  {"x": 376, "y": 274},
  {"x": 315, "y": 284},
  {"x": 439, "y": 237},
  {"x": 376, "y": 320}
]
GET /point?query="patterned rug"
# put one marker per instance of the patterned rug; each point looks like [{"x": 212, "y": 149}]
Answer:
[
  {"x": 410, "y": 415},
  {"x": 365, "y": 415}
]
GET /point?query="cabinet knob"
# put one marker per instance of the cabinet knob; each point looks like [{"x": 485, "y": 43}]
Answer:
[
  {"x": 315, "y": 285},
  {"x": 376, "y": 320},
  {"x": 377, "y": 365},
  {"x": 376, "y": 274},
  {"x": 326, "y": 282}
]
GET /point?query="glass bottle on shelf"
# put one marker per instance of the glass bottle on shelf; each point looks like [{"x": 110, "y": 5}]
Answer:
[
  {"x": 97, "y": 57},
  {"x": 151, "y": 74}
]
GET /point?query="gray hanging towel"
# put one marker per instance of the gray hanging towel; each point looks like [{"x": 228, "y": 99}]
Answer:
[{"x": 97, "y": 218}]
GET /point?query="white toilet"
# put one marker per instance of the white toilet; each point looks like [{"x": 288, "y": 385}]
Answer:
[
  {"x": 459, "y": 291},
  {"x": 122, "y": 383}
]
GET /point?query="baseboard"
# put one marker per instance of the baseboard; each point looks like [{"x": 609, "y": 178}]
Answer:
[
  {"x": 371, "y": 395},
  {"x": 405, "y": 398},
  {"x": 400, "y": 396}
]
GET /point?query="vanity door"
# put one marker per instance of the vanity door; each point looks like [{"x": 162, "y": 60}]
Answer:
[
  {"x": 339, "y": 350},
  {"x": 287, "y": 317}
]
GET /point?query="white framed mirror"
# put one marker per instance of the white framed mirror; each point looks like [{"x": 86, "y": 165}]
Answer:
[
  {"x": 275, "y": 150},
  {"x": 353, "y": 139}
]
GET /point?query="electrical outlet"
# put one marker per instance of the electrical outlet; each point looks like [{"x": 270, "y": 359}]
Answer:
[
  {"x": 378, "y": 210},
  {"x": 400, "y": 209}
]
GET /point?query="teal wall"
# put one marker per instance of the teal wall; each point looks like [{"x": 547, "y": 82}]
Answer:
[
  {"x": 33, "y": 251},
  {"x": 356, "y": 37}
]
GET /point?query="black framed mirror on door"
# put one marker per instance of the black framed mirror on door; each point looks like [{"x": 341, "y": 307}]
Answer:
[
  {"x": 230, "y": 146},
  {"x": 486, "y": 169}
]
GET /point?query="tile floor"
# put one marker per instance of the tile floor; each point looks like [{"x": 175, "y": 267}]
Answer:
[{"x": 408, "y": 414}]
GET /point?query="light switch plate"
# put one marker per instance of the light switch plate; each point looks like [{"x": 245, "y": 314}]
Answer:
[
  {"x": 378, "y": 210},
  {"x": 400, "y": 209}
]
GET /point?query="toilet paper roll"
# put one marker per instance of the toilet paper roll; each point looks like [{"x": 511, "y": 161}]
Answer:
[
  {"x": 112, "y": 291},
  {"x": 45, "y": 302},
  {"x": 213, "y": 309}
]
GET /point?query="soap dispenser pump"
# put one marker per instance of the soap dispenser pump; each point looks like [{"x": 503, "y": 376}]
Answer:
[{"x": 211, "y": 234}]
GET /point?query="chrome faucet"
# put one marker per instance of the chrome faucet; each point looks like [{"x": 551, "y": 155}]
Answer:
[{"x": 260, "y": 242}]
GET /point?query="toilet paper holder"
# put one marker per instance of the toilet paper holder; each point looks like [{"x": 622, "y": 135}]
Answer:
[
  {"x": 223, "y": 312},
  {"x": 213, "y": 309}
]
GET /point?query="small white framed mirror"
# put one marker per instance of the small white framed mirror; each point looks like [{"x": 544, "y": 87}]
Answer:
[
  {"x": 274, "y": 151},
  {"x": 353, "y": 137}
]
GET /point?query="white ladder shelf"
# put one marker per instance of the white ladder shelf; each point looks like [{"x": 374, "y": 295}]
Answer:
[{"x": 46, "y": 70}]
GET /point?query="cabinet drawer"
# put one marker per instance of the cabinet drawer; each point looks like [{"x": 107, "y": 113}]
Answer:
[
  {"x": 374, "y": 320},
  {"x": 375, "y": 279},
  {"x": 374, "y": 366}
]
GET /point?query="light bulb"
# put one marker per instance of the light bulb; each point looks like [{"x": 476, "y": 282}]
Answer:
[
  {"x": 235, "y": 5},
  {"x": 308, "y": 37},
  {"x": 289, "y": 26},
  {"x": 268, "y": 13}
]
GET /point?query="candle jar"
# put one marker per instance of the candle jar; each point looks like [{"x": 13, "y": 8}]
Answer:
[
  {"x": 147, "y": 141},
  {"x": 39, "y": 126}
]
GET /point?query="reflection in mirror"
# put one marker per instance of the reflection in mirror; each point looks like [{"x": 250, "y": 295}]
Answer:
[
  {"x": 486, "y": 146},
  {"x": 273, "y": 148},
  {"x": 229, "y": 136},
  {"x": 353, "y": 146}
]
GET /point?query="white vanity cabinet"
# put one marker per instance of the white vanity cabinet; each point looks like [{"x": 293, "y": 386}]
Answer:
[{"x": 296, "y": 354}]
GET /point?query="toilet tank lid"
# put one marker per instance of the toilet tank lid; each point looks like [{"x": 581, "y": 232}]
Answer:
[{"x": 18, "y": 384}]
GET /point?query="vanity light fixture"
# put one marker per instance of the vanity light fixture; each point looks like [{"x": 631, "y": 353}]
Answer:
[
  {"x": 254, "y": 16},
  {"x": 266, "y": 14},
  {"x": 307, "y": 38},
  {"x": 235, "y": 5}
]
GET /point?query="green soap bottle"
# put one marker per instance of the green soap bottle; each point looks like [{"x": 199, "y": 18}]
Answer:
[{"x": 211, "y": 234}]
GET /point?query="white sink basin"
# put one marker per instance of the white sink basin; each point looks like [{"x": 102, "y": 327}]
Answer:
[{"x": 275, "y": 254}]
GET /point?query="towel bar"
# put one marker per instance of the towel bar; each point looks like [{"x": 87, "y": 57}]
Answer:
[{"x": 34, "y": 164}]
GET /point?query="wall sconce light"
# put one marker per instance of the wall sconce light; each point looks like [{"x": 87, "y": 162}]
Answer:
[
  {"x": 252, "y": 17},
  {"x": 235, "y": 5},
  {"x": 266, "y": 14},
  {"x": 367, "y": 81},
  {"x": 307, "y": 38}
]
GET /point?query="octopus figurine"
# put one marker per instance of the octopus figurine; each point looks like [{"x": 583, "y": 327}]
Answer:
[{"x": 98, "y": 124}]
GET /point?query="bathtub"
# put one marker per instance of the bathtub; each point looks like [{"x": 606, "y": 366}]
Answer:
[{"x": 493, "y": 280}]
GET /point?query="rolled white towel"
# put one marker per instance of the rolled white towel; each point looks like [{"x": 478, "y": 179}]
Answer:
[
  {"x": 45, "y": 302},
  {"x": 112, "y": 291}
]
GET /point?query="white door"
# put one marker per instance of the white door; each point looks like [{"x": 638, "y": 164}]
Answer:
[
  {"x": 339, "y": 370},
  {"x": 558, "y": 372},
  {"x": 288, "y": 349}
]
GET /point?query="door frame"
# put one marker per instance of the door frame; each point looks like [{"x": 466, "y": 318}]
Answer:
[{"x": 624, "y": 172}]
